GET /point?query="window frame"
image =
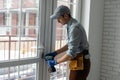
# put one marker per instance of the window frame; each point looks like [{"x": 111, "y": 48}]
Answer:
[{"x": 46, "y": 39}]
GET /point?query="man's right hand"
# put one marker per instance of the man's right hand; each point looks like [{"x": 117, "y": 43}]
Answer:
[
  {"x": 53, "y": 54},
  {"x": 51, "y": 62}
]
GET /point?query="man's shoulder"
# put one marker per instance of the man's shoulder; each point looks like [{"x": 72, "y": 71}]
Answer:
[
  {"x": 75, "y": 22},
  {"x": 76, "y": 25}
]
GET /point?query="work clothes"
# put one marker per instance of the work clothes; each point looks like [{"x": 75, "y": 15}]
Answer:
[
  {"x": 83, "y": 72},
  {"x": 76, "y": 38}
]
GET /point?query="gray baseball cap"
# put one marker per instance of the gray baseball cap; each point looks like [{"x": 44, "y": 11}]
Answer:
[{"x": 59, "y": 11}]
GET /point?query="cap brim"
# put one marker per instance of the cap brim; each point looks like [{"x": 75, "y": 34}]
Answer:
[{"x": 53, "y": 16}]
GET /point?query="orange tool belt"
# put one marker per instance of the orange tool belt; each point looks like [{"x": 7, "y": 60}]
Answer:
[{"x": 77, "y": 63}]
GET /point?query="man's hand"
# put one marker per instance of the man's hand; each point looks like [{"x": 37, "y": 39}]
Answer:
[
  {"x": 51, "y": 62},
  {"x": 51, "y": 54}
]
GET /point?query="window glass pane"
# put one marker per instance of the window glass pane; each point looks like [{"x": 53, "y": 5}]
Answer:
[
  {"x": 18, "y": 39},
  {"x": 18, "y": 29},
  {"x": 23, "y": 72},
  {"x": 30, "y": 27}
]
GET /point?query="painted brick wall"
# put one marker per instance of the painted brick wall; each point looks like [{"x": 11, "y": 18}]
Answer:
[{"x": 110, "y": 60}]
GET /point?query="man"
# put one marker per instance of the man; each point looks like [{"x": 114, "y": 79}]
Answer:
[{"x": 77, "y": 45}]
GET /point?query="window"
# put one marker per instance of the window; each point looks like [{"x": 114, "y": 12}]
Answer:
[
  {"x": 19, "y": 40},
  {"x": 32, "y": 19},
  {"x": 2, "y": 18},
  {"x": 14, "y": 17}
]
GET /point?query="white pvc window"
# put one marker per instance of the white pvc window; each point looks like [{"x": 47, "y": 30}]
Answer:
[{"x": 19, "y": 27}]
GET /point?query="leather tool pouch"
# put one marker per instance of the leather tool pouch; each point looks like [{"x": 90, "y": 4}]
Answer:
[{"x": 77, "y": 63}]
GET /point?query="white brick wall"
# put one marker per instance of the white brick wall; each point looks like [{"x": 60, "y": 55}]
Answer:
[
  {"x": 110, "y": 59},
  {"x": 95, "y": 36}
]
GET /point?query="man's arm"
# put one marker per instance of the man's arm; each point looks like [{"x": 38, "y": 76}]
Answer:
[
  {"x": 63, "y": 49},
  {"x": 64, "y": 58}
]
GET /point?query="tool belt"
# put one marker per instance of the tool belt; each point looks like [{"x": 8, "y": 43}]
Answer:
[{"x": 78, "y": 62}]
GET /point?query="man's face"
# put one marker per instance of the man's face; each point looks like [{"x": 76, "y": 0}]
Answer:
[{"x": 61, "y": 20}]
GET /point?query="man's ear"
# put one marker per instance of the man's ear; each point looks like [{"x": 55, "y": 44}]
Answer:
[{"x": 65, "y": 15}]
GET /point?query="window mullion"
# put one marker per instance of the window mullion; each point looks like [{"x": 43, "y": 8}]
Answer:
[{"x": 40, "y": 38}]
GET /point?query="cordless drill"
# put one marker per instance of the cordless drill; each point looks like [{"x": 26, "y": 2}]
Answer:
[{"x": 51, "y": 68}]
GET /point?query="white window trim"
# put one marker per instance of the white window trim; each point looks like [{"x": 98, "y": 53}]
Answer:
[{"x": 49, "y": 32}]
